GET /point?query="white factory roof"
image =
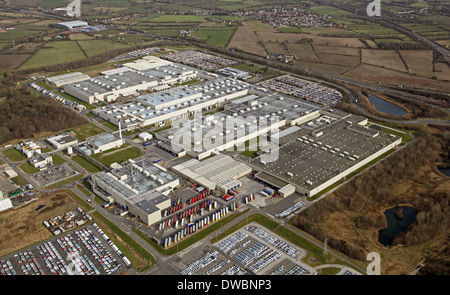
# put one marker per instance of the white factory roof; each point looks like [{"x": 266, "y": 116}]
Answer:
[
  {"x": 147, "y": 62},
  {"x": 73, "y": 24},
  {"x": 5, "y": 204},
  {"x": 217, "y": 169},
  {"x": 145, "y": 136},
  {"x": 67, "y": 78}
]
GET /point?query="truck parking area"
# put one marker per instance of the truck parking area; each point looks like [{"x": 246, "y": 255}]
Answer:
[
  {"x": 80, "y": 252},
  {"x": 250, "y": 250}
]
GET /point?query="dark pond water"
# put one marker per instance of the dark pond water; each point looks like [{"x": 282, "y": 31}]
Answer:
[
  {"x": 396, "y": 225},
  {"x": 445, "y": 171},
  {"x": 386, "y": 107}
]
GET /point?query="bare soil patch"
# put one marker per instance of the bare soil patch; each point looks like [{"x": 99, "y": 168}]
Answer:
[{"x": 22, "y": 227}]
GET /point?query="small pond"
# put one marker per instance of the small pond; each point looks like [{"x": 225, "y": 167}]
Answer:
[
  {"x": 386, "y": 107},
  {"x": 398, "y": 220},
  {"x": 445, "y": 171}
]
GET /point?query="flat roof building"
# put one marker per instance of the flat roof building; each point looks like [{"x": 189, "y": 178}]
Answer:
[
  {"x": 218, "y": 171},
  {"x": 73, "y": 24},
  {"x": 109, "y": 88},
  {"x": 245, "y": 118},
  {"x": 60, "y": 80},
  {"x": 161, "y": 108},
  {"x": 234, "y": 73},
  {"x": 41, "y": 161},
  {"x": 101, "y": 143},
  {"x": 62, "y": 141},
  {"x": 146, "y": 73},
  {"x": 141, "y": 187},
  {"x": 322, "y": 152}
]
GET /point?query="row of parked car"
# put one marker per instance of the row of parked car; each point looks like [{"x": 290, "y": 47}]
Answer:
[
  {"x": 28, "y": 263},
  {"x": 231, "y": 242},
  {"x": 53, "y": 260},
  {"x": 113, "y": 246},
  {"x": 78, "y": 262},
  {"x": 268, "y": 258},
  {"x": 56, "y": 97},
  {"x": 297, "y": 270},
  {"x": 199, "y": 59},
  {"x": 252, "y": 252},
  {"x": 289, "y": 210},
  {"x": 6, "y": 268},
  {"x": 200, "y": 263},
  {"x": 98, "y": 250},
  {"x": 273, "y": 241}
]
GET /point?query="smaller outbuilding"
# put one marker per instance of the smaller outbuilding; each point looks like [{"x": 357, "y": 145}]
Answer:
[
  {"x": 145, "y": 136},
  {"x": 73, "y": 24}
]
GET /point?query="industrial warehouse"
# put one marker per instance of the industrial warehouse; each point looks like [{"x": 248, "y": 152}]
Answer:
[
  {"x": 322, "y": 152},
  {"x": 244, "y": 119},
  {"x": 140, "y": 187},
  {"x": 219, "y": 172},
  {"x": 148, "y": 73},
  {"x": 163, "y": 107}
]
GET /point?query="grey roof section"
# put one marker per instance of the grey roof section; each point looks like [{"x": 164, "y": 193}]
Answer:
[
  {"x": 172, "y": 96},
  {"x": 318, "y": 159},
  {"x": 217, "y": 169},
  {"x": 103, "y": 84},
  {"x": 275, "y": 104},
  {"x": 102, "y": 139},
  {"x": 112, "y": 184},
  {"x": 137, "y": 178},
  {"x": 147, "y": 204}
]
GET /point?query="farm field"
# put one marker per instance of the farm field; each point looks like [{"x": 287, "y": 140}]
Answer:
[
  {"x": 335, "y": 69},
  {"x": 385, "y": 75},
  {"x": 336, "y": 50},
  {"x": 50, "y": 54},
  {"x": 245, "y": 39},
  {"x": 383, "y": 58},
  {"x": 338, "y": 59},
  {"x": 219, "y": 36},
  {"x": 442, "y": 71},
  {"x": 272, "y": 47},
  {"x": 316, "y": 39},
  {"x": 96, "y": 47},
  {"x": 12, "y": 61},
  {"x": 419, "y": 62},
  {"x": 304, "y": 52}
]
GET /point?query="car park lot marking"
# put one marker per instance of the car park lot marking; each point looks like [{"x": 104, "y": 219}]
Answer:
[
  {"x": 80, "y": 252},
  {"x": 249, "y": 250}
]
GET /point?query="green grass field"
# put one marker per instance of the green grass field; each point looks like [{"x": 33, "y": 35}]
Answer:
[
  {"x": 96, "y": 47},
  {"x": 19, "y": 180},
  {"x": 28, "y": 168},
  {"x": 54, "y": 53},
  {"x": 13, "y": 155},
  {"x": 57, "y": 160},
  {"x": 87, "y": 130},
  {"x": 86, "y": 164},
  {"x": 119, "y": 156},
  {"x": 218, "y": 36}
]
